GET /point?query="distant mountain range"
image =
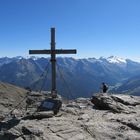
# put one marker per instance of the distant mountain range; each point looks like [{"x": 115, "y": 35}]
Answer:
[{"x": 75, "y": 77}]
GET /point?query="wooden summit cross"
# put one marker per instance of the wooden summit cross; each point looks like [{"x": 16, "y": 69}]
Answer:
[{"x": 53, "y": 53}]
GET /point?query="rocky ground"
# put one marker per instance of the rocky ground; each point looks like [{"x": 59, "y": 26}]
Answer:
[{"x": 104, "y": 117}]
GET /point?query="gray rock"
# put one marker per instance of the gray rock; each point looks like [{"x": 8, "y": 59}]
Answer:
[
  {"x": 39, "y": 115},
  {"x": 126, "y": 99},
  {"x": 132, "y": 123},
  {"x": 111, "y": 117},
  {"x": 10, "y": 134},
  {"x": 26, "y": 130},
  {"x": 116, "y": 103}
]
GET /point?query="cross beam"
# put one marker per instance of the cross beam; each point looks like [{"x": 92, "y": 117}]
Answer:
[
  {"x": 53, "y": 53},
  {"x": 56, "y": 51}
]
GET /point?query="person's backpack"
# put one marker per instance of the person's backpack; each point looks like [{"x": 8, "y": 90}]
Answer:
[{"x": 105, "y": 87}]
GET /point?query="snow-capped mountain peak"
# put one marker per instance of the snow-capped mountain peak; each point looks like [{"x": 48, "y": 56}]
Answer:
[
  {"x": 116, "y": 59},
  {"x": 18, "y": 57}
]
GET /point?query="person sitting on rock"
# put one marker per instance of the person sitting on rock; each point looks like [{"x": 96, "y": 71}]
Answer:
[{"x": 104, "y": 88}]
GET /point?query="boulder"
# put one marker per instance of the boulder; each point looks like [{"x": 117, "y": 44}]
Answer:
[{"x": 116, "y": 103}]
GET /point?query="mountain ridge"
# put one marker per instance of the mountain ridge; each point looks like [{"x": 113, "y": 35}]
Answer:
[
  {"x": 87, "y": 74},
  {"x": 111, "y": 59}
]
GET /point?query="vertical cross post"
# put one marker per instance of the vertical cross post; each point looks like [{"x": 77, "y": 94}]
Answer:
[{"x": 53, "y": 61}]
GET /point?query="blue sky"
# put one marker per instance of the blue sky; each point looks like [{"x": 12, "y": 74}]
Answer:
[{"x": 94, "y": 27}]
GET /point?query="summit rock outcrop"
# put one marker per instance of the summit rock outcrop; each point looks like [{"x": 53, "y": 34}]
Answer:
[{"x": 103, "y": 117}]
